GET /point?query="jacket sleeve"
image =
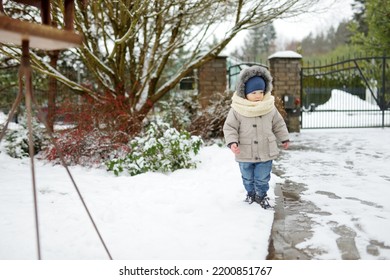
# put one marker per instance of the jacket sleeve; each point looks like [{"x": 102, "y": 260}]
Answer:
[
  {"x": 231, "y": 128},
  {"x": 279, "y": 127}
]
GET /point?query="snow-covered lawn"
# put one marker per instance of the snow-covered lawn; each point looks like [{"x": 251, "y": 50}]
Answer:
[{"x": 188, "y": 214}]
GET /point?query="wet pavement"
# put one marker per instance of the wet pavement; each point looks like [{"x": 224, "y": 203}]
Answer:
[{"x": 292, "y": 225}]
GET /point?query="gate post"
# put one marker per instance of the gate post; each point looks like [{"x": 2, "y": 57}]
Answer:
[
  {"x": 285, "y": 67},
  {"x": 211, "y": 79}
]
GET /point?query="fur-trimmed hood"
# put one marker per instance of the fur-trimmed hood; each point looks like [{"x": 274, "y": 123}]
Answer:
[{"x": 250, "y": 72}]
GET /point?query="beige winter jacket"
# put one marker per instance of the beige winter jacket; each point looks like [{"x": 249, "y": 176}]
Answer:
[{"x": 256, "y": 135}]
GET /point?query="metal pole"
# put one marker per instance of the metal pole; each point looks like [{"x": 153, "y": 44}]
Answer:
[
  {"x": 26, "y": 70},
  {"x": 383, "y": 89}
]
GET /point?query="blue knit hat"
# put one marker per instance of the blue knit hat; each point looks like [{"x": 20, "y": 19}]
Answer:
[{"x": 253, "y": 84}]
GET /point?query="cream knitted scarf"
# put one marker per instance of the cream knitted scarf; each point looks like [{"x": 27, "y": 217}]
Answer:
[{"x": 253, "y": 109}]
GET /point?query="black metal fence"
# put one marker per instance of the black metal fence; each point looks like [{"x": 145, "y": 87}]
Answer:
[
  {"x": 9, "y": 87},
  {"x": 344, "y": 94}
]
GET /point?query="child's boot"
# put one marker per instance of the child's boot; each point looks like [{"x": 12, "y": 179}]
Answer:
[
  {"x": 263, "y": 200},
  {"x": 250, "y": 198}
]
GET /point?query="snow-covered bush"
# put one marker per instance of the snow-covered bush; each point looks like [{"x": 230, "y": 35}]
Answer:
[
  {"x": 160, "y": 148},
  {"x": 16, "y": 140}
]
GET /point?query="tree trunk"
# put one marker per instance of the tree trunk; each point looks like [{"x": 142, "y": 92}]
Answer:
[{"x": 52, "y": 92}]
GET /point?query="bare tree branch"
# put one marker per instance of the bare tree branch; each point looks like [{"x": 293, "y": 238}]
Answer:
[{"x": 132, "y": 46}]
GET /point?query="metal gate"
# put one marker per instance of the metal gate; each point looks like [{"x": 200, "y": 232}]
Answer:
[{"x": 346, "y": 94}]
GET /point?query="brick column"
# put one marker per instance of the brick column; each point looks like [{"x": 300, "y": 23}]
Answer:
[
  {"x": 211, "y": 79},
  {"x": 285, "y": 67}
]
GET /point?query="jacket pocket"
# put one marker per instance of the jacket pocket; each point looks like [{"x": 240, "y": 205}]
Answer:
[
  {"x": 245, "y": 146},
  {"x": 273, "y": 146}
]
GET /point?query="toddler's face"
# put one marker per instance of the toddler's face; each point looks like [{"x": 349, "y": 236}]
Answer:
[{"x": 254, "y": 96}]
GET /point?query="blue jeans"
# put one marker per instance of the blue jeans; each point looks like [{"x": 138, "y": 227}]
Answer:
[{"x": 255, "y": 176}]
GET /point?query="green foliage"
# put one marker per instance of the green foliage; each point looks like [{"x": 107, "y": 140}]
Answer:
[
  {"x": 160, "y": 148},
  {"x": 359, "y": 16},
  {"x": 372, "y": 31},
  {"x": 8, "y": 86},
  {"x": 16, "y": 140},
  {"x": 354, "y": 74},
  {"x": 342, "y": 52}
]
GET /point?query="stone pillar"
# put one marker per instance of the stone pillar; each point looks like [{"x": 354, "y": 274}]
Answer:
[
  {"x": 211, "y": 79},
  {"x": 285, "y": 67}
]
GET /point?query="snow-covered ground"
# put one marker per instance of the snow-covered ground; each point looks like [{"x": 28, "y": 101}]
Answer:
[{"x": 189, "y": 214}]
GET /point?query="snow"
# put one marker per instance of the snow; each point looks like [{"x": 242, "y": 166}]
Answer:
[
  {"x": 341, "y": 100},
  {"x": 345, "y": 110},
  {"x": 188, "y": 214},
  {"x": 200, "y": 214},
  {"x": 285, "y": 54}
]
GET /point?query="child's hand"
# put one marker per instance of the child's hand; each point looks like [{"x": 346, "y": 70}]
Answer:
[
  {"x": 235, "y": 149},
  {"x": 286, "y": 144}
]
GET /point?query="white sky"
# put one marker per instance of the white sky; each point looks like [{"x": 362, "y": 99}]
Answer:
[
  {"x": 331, "y": 13},
  {"x": 328, "y": 13}
]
